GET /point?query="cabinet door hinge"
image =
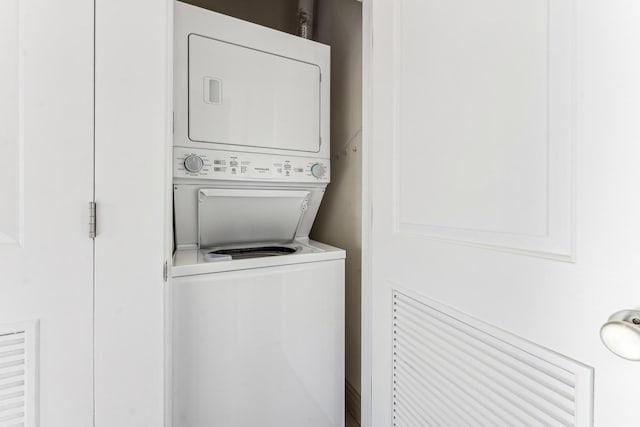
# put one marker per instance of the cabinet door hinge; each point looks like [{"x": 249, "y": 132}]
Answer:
[
  {"x": 92, "y": 220},
  {"x": 165, "y": 271}
]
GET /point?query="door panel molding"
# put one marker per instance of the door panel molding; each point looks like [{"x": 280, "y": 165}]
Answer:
[
  {"x": 460, "y": 165},
  {"x": 11, "y": 131}
]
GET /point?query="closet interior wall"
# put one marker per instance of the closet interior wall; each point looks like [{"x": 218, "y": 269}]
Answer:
[{"x": 339, "y": 24}]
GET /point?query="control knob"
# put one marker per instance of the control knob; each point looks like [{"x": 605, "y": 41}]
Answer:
[
  {"x": 318, "y": 171},
  {"x": 193, "y": 163}
]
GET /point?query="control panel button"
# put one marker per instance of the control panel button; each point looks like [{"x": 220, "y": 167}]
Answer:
[
  {"x": 193, "y": 163},
  {"x": 318, "y": 171}
]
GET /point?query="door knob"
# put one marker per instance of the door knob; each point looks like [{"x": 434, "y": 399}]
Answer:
[{"x": 621, "y": 334}]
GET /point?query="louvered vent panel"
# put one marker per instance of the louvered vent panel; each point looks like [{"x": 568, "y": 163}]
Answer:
[
  {"x": 448, "y": 371},
  {"x": 13, "y": 379}
]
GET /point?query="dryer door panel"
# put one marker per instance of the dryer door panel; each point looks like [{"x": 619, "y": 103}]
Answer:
[{"x": 245, "y": 97}]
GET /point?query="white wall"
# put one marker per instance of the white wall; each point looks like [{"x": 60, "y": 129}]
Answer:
[{"x": 339, "y": 24}]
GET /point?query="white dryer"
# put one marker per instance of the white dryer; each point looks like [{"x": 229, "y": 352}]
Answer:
[{"x": 257, "y": 308}]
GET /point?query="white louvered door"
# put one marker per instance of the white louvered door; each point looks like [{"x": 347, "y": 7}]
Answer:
[
  {"x": 46, "y": 182},
  {"x": 502, "y": 176}
]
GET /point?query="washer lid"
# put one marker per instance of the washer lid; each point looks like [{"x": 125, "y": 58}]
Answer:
[{"x": 228, "y": 216}]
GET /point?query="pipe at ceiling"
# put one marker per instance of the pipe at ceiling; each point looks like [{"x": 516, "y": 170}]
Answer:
[{"x": 305, "y": 18}]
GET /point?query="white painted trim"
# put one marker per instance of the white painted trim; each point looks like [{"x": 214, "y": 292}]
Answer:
[
  {"x": 21, "y": 128},
  {"x": 168, "y": 221},
  {"x": 367, "y": 220}
]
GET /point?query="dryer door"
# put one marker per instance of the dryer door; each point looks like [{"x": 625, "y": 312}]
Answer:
[{"x": 246, "y": 97}]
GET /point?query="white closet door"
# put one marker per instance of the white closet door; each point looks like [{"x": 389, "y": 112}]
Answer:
[
  {"x": 133, "y": 194},
  {"x": 503, "y": 180},
  {"x": 46, "y": 182}
]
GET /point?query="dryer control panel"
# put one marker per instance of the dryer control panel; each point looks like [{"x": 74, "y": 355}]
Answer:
[{"x": 232, "y": 165}]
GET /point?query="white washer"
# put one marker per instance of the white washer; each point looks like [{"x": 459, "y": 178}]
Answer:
[
  {"x": 259, "y": 342},
  {"x": 257, "y": 308}
]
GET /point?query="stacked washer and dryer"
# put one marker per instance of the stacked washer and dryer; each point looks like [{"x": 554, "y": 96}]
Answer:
[{"x": 257, "y": 307}]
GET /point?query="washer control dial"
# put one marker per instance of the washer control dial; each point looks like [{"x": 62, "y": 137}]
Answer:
[
  {"x": 318, "y": 170},
  {"x": 193, "y": 163}
]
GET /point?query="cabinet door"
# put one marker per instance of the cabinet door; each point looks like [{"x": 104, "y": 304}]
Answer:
[{"x": 46, "y": 182}]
